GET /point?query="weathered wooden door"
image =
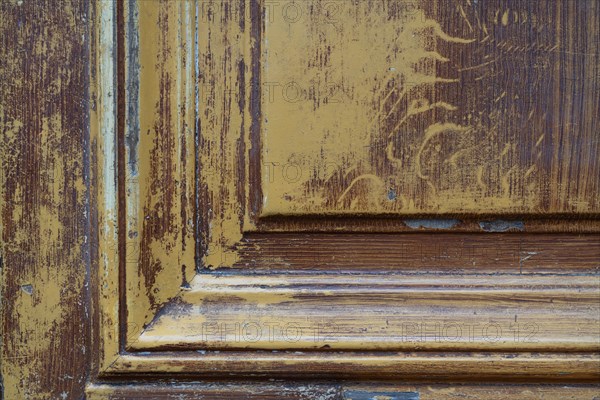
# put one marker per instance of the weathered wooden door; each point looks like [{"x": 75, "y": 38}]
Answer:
[{"x": 309, "y": 199}]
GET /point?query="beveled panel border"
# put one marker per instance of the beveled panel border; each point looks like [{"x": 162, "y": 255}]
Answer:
[
  {"x": 254, "y": 219},
  {"x": 143, "y": 164},
  {"x": 338, "y": 391},
  {"x": 229, "y": 180}
]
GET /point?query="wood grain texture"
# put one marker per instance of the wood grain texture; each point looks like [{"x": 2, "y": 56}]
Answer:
[
  {"x": 227, "y": 114},
  {"x": 104, "y": 122},
  {"x": 327, "y": 391},
  {"x": 430, "y": 107},
  {"x": 44, "y": 199},
  {"x": 443, "y": 253},
  {"x": 232, "y": 232},
  {"x": 133, "y": 154},
  {"x": 452, "y": 119},
  {"x": 157, "y": 65},
  {"x": 381, "y": 312},
  {"x": 449, "y": 223},
  {"x": 364, "y": 366}
]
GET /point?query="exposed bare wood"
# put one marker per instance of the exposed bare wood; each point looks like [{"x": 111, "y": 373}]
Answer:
[
  {"x": 419, "y": 253},
  {"x": 306, "y": 199}
]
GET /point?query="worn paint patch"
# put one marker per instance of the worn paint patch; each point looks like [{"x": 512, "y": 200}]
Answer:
[
  {"x": 449, "y": 111},
  {"x": 44, "y": 198},
  {"x": 502, "y": 226},
  {"x": 368, "y": 395},
  {"x": 159, "y": 154},
  {"x": 431, "y": 223},
  {"x": 28, "y": 288}
]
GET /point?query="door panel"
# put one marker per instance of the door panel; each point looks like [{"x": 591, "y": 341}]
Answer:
[
  {"x": 385, "y": 291},
  {"x": 301, "y": 199},
  {"x": 426, "y": 107},
  {"x": 393, "y": 117}
]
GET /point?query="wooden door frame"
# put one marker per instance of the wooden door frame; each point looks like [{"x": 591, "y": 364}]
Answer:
[
  {"x": 63, "y": 263},
  {"x": 130, "y": 345}
]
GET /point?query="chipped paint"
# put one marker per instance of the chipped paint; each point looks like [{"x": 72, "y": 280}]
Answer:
[
  {"x": 375, "y": 103},
  {"x": 431, "y": 223},
  {"x": 375, "y": 395},
  {"x": 428, "y": 155},
  {"x": 103, "y": 134},
  {"x": 262, "y": 312},
  {"x": 44, "y": 199},
  {"x": 159, "y": 154},
  {"x": 502, "y": 226}
]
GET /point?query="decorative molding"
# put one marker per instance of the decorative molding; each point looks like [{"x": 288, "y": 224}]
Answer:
[{"x": 153, "y": 287}]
